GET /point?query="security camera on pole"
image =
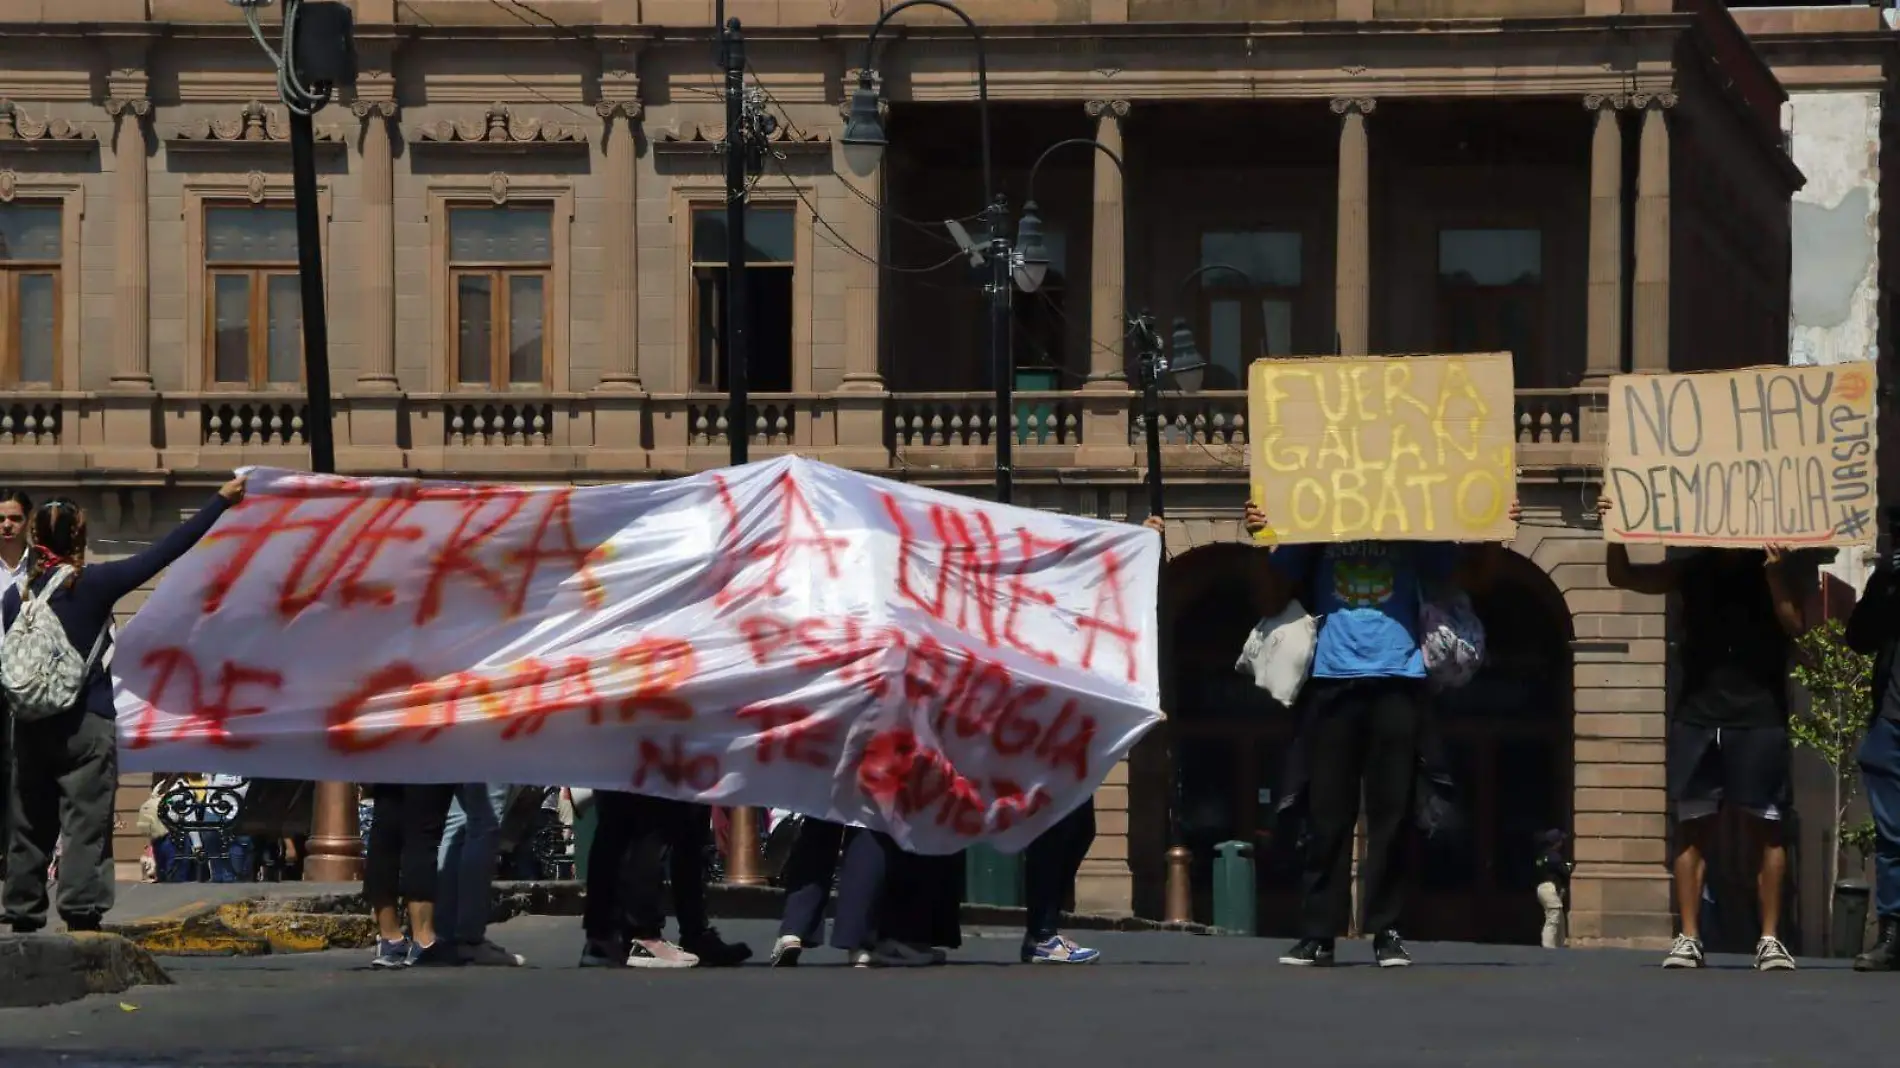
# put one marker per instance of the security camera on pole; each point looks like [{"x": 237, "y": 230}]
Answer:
[{"x": 318, "y": 55}]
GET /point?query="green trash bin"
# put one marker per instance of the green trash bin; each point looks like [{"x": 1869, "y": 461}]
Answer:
[
  {"x": 1233, "y": 888},
  {"x": 1036, "y": 381},
  {"x": 992, "y": 878}
]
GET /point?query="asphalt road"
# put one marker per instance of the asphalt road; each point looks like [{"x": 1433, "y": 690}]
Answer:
[{"x": 1158, "y": 999}]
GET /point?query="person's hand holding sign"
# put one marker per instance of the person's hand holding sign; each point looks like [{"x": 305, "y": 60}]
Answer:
[
  {"x": 233, "y": 491},
  {"x": 1256, "y": 520}
]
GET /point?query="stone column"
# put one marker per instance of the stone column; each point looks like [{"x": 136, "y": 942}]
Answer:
[
  {"x": 1649, "y": 315},
  {"x": 1108, "y": 250},
  {"x": 1603, "y": 344},
  {"x": 862, "y": 396},
  {"x": 1106, "y": 396},
  {"x": 376, "y": 265},
  {"x": 132, "y": 264},
  {"x": 621, "y": 371},
  {"x": 1352, "y": 300}
]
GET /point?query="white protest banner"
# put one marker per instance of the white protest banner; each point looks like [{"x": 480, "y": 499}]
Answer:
[{"x": 786, "y": 633}]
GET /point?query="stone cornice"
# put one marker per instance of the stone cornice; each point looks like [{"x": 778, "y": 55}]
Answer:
[
  {"x": 255, "y": 125},
  {"x": 708, "y": 137},
  {"x": 20, "y": 130},
  {"x": 500, "y": 127}
]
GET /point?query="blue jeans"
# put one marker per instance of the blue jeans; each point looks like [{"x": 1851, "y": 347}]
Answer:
[
  {"x": 1880, "y": 774},
  {"x": 466, "y": 862}
]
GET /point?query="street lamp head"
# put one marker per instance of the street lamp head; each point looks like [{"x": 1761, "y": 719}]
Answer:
[
  {"x": 864, "y": 140},
  {"x": 1032, "y": 253},
  {"x": 1187, "y": 365}
]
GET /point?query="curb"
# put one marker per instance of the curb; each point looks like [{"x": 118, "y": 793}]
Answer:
[
  {"x": 50, "y": 969},
  {"x": 264, "y": 925}
]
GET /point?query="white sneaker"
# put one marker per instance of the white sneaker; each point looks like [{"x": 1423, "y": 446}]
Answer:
[
  {"x": 1686, "y": 953},
  {"x": 786, "y": 950},
  {"x": 1772, "y": 956},
  {"x": 486, "y": 954},
  {"x": 659, "y": 953}
]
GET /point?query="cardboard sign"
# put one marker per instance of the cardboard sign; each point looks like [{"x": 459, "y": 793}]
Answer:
[
  {"x": 1402, "y": 448},
  {"x": 1765, "y": 455},
  {"x": 785, "y": 633}
]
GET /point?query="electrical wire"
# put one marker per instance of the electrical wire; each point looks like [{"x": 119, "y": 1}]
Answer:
[{"x": 296, "y": 96}]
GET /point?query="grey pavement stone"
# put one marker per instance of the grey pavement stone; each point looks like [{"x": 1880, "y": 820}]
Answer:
[{"x": 48, "y": 969}]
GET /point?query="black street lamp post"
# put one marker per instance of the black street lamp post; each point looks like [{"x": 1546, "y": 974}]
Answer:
[{"x": 864, "y": 134}]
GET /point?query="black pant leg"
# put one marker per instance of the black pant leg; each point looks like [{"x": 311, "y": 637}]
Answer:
[
  {"x": 33, "y": 827},
  {"x": 861, "y": 880},
  {"x": 809, "y": 871},
  {"x": 425, "y": 813},
  {"x": 1337, "y": 754},
  {"x": 382, "y": 868},
  {"x": 1391, "y": 782},
  {"x": 689, "y": 836},
  {"x": 614, "y": 813},
  {"x": 643, "y": 868},
  {"x": 1049, "y": 868}
]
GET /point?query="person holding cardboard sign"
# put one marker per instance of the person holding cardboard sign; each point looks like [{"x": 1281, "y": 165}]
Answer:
[
  {"x": 1362, "y": 716},
  {"x": 1728, "y": 734}
]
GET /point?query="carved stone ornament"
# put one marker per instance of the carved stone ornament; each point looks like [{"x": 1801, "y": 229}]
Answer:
[
  {"x": 17, "y": 127},
  {"x": 1098, "y": 108},
  {"x": 255, "y": 186},
  {"x": 138, "y": 107},
  {"x": 708, "y": 137},
  {"x": 1600, "y": 101},
  {"x": 1642, "y": 101},
  {"x": 9, "y": 183},
  {"x": 498, "y": 187},
  {"x": 382, "y": 109},
  {"x": 499, "y": 125},
  {"x": 632, "y": 109},
  {"x": 253, "y": 124},
  {"x": 1364, "y": 105}
]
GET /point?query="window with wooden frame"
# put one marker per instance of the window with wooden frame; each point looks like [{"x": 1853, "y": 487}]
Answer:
[
  {"x": 1491, "y": 296},
  {"x": 30, "y": 280},
  {"x": 501, "y": 263},
  {"x": 253, "y": 300},
  {"x": 771, "y": 251},
  {"x": 1247, "y": 312}
]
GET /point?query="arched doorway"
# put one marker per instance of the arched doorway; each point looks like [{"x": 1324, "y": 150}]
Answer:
[{"x": 1507, "y": 735}]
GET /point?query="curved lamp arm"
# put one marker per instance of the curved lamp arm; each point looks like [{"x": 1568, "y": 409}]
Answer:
[
  {"x": 1032, "y": 264},
  {"x": 1186, "y": 363},
  {"x": 867, "y": 73},
  {"x": 1051, "y": 150}
]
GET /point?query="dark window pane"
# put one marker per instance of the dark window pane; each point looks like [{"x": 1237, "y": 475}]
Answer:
[
  {"x": 1491, "y": 257},
  {"x": 284, "y": 328},
  {"x": 769, "y": 363},
  {"x": 526, "y": 315},
  {"x": 36, "y": 314},
  {"x": 770, "y": 235},
  {"x": 709, "y": 322},
  {"x": 29, "y": 232},
  {"x": 250, "y": 235},
  {"x": 501, "y": 235},
  {"x": 474, "y": 328},
  {"x": 1268, "y": 257},
  {"x": 231, "y": 328}
]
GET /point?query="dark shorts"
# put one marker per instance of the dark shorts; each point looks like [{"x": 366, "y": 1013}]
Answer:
[{"x": 1747, "y": 767}]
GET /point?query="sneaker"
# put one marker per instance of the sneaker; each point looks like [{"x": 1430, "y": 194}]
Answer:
[
  {"x": 1059, "y": 950},
  {"x": 437, "y": 954},
  {"x": 889, "y": 954},
  {"x": 786, "y": 950},
  {"x": 1309, "y": 953},
  {"x": 863, "y": 958},
  {"x": 1772, "y": 956},
  {"x": 658, "y": 953},
  {"x": 938, "y": 956},
  {"x": 1389, "y": 950},
  {"x": 1686, "y": 953},
  {"x": 392, "y": 954},
  {"x": 598, "y": 954},
  {"x": 715, "y": 952},
  {"x": 486, "y": 954}
]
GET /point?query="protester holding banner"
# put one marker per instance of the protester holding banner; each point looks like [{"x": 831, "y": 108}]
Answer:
[
  {"x": 1362, "y": 715},
  {"x": 1728, "y": 734},
  {"x": 66, "y": 764},
  {"x": 471, "y": 840},
  {"x": 1874, "y": 630}
]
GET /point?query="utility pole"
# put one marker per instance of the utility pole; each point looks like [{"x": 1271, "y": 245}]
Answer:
[
  {"x": 318, "y": 55},
  {"x": 738, "y": 424}
]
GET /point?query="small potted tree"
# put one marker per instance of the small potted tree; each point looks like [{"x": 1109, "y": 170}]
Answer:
[{"x": 1840, "y": 696}]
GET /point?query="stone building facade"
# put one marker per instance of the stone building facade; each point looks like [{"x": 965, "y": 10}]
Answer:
[{"x": 523, "y": 253}]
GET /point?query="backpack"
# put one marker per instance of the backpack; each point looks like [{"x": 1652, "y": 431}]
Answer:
[
  {"x": 40, "y": 671},
  {"x": 1451, "y": 639}
]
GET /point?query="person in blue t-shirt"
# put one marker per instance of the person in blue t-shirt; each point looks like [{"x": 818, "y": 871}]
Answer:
[{"x": 1362, "y": 710}]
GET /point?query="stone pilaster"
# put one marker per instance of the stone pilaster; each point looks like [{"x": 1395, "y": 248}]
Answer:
[
  {"x": 621, "y": 370},
  {"x": 1649, "y": 314},
  {"x": 132, "y": 261},
  {"x": 376, "y": 253},
  {"x": 861, "y": 395},
  {"x": 1106, "y": 399},
  {"x": 1603, "y": 334},
  {"x": 1352, "y": 300}
]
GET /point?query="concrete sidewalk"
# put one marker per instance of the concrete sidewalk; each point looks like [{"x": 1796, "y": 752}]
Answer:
[{"x": 48, "y": 969}]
